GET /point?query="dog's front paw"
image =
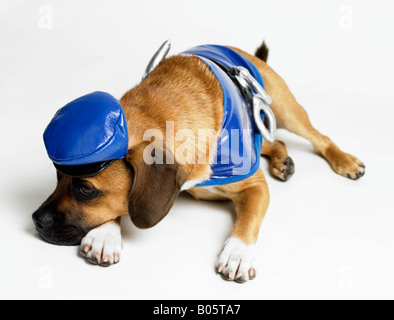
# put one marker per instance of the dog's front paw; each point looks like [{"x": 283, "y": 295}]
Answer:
[
  {"x": 237, "y": 262},
  {"x": 103, "y": 245}
]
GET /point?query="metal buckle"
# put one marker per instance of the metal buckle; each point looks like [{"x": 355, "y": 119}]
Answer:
[
  {"x": 160, "y": 55},
  {"x": 261, "y": 102}
]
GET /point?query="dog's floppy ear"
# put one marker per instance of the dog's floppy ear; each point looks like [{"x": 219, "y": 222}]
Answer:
[{"x": 154, "y": 188}]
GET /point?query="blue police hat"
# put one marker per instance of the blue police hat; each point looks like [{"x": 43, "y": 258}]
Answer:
[{"x": 87, "y": 135}]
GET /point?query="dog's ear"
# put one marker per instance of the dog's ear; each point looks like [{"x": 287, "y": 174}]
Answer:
[{"x": 154, "y": 188}]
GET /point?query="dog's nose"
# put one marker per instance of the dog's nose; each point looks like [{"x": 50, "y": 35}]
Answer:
[{"x": 43, "y": 219}]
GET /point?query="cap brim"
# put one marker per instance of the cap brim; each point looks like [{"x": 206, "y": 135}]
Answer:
[{"x": 83, "y": 171}]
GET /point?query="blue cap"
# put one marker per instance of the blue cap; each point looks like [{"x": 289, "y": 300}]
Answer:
[{"x": 87, "y": 135}]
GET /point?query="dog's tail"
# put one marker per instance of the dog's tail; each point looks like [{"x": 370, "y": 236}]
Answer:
[{"x": 262, "y": 52}]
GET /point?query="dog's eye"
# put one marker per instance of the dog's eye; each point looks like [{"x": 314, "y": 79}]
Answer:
[{"x": 84, "y": 192}]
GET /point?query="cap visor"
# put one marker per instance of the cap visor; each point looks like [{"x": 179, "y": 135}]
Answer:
[{"x": 83, "y": 171}]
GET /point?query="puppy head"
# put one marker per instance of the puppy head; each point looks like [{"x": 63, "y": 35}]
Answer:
[
  {"x": 129, "y": 186},
  {"x": 80, "y": 204}
]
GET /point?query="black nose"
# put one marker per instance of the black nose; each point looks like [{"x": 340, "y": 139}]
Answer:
[{"x": 43, "y": 219}]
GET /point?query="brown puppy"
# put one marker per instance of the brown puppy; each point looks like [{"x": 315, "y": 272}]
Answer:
[{"x": 180, "y": 95}]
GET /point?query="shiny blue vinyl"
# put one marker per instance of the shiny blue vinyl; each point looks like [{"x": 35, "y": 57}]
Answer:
[
  {"x": 90, "y": 129},
  {"x": 238, "y": 150}
]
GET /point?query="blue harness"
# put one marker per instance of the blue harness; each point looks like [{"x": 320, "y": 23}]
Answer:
[{"x": 239, "y": 146}]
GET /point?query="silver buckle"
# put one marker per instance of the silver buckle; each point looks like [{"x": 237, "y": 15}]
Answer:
[
  {"x": 261, "y": 102},
  {"x": 160, "y": 55}
]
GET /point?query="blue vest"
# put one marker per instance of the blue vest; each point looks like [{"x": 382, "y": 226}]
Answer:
[{"x": 239, "y": 145}]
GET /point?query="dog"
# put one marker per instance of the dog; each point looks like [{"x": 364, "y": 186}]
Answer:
[{"x": 182, "y": 90}]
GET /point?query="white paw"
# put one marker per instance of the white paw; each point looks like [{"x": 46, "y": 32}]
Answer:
[
  {"x": 103, "y": 245},
  {"x": 237, "y": 262}
]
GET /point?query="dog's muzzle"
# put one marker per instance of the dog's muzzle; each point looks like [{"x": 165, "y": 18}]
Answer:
[{"x": 52, "y": 227}]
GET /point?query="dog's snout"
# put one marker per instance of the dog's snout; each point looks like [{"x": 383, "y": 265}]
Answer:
[
  {"x": 43, "y": 219},
  {"x": 51, "y": 226}
]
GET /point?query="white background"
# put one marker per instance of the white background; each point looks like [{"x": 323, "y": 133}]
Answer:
[{"x": 324, "y": 236}]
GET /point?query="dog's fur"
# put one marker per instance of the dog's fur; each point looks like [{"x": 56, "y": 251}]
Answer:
[{"x": 184, "y": 90}]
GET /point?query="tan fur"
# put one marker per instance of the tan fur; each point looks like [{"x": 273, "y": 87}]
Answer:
[
  {"x": 282, "y": 167},
  {"x": 291, "y": 116},
  {"x": 180, "y": 89},
  {"x": 184, "y": 90},
  {"x": 114, "y": 183}
]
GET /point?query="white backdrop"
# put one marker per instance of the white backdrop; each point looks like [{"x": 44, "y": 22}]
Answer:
[{"x": 324, "y": 236}]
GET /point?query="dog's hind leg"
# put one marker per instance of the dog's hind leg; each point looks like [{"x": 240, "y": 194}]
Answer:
[
  {"x": 281, "y": 165},
  {"x": 292, "y": 116}
]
